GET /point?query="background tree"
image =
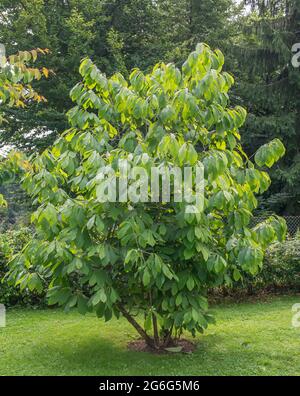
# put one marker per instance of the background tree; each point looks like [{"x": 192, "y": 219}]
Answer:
[
  {"x": 69, "y": 33},
  {"x": 154, "y": 258},
  {"x": 269, "y": 87}
]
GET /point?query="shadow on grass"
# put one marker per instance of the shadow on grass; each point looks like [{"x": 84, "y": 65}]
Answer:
[{"x": 101, "y": 356}]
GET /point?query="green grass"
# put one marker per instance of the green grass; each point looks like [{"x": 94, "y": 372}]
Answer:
[{"x": 253, "y": 338}]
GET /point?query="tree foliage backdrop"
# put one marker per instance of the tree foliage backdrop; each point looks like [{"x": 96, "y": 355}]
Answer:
[{"x": 269, "y": 87}]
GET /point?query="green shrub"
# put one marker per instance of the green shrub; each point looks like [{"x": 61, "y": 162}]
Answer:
[
  {"x": 282, "y": 265},
  {"x": 11, "y": 242},
  {"x": 280, "y": 272},
  {"x": 16, "y": 212}
]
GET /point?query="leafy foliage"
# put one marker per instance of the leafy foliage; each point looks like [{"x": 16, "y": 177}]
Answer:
[
  {"x": 156, "y": 258},
  {"x": 15, "y": 91},
  {"x": 11, "y": 243},
  {"x": 280, "y": 271},
  {"x": 13, "y": 73}
]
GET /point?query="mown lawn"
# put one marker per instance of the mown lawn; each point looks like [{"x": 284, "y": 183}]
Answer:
[{"x": 253, "y": 338}]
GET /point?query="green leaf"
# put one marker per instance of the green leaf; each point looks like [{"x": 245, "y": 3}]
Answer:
[
  {"x": 167, "y": 114},
  {"x": 167, "y": 272},
  {"x": 183, "y": 153},
  {"x": 90, "y": 223},
  {"x": 250, "y": 259},
  {"x": 220, "y": 264},
  {"x": 146, "y": 277},
  {"x": 59, "y": 295},
  {"x": 269, "y": 153},
  {"x": 82, "y": 304},
  {"x": 236, "y": 275},
  {"x": 188, "y": 253},
  {"x": 100, "y": 296},
  {"x": 191, "y": 155},
  {"x": 190, "y": 283},
  {"x": 35, "y": 283},
  {"x": 178, "y": 300},
  {"x": 99, "y": 225}
]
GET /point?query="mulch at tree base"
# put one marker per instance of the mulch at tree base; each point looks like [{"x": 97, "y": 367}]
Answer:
[{"x": 141, "y": 346}]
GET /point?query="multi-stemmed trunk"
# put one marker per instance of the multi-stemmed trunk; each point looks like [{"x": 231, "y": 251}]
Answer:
[{"x": 156, "y": 342}]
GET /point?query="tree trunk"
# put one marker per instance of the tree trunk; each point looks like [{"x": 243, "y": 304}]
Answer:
[
  {"x": 135, "y": 324},
  {"x": 168, "y": 337},
  {"x": 155, "y": 331}
]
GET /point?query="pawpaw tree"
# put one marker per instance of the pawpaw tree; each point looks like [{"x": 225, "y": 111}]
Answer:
[{"x": 151, "y": 263}]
